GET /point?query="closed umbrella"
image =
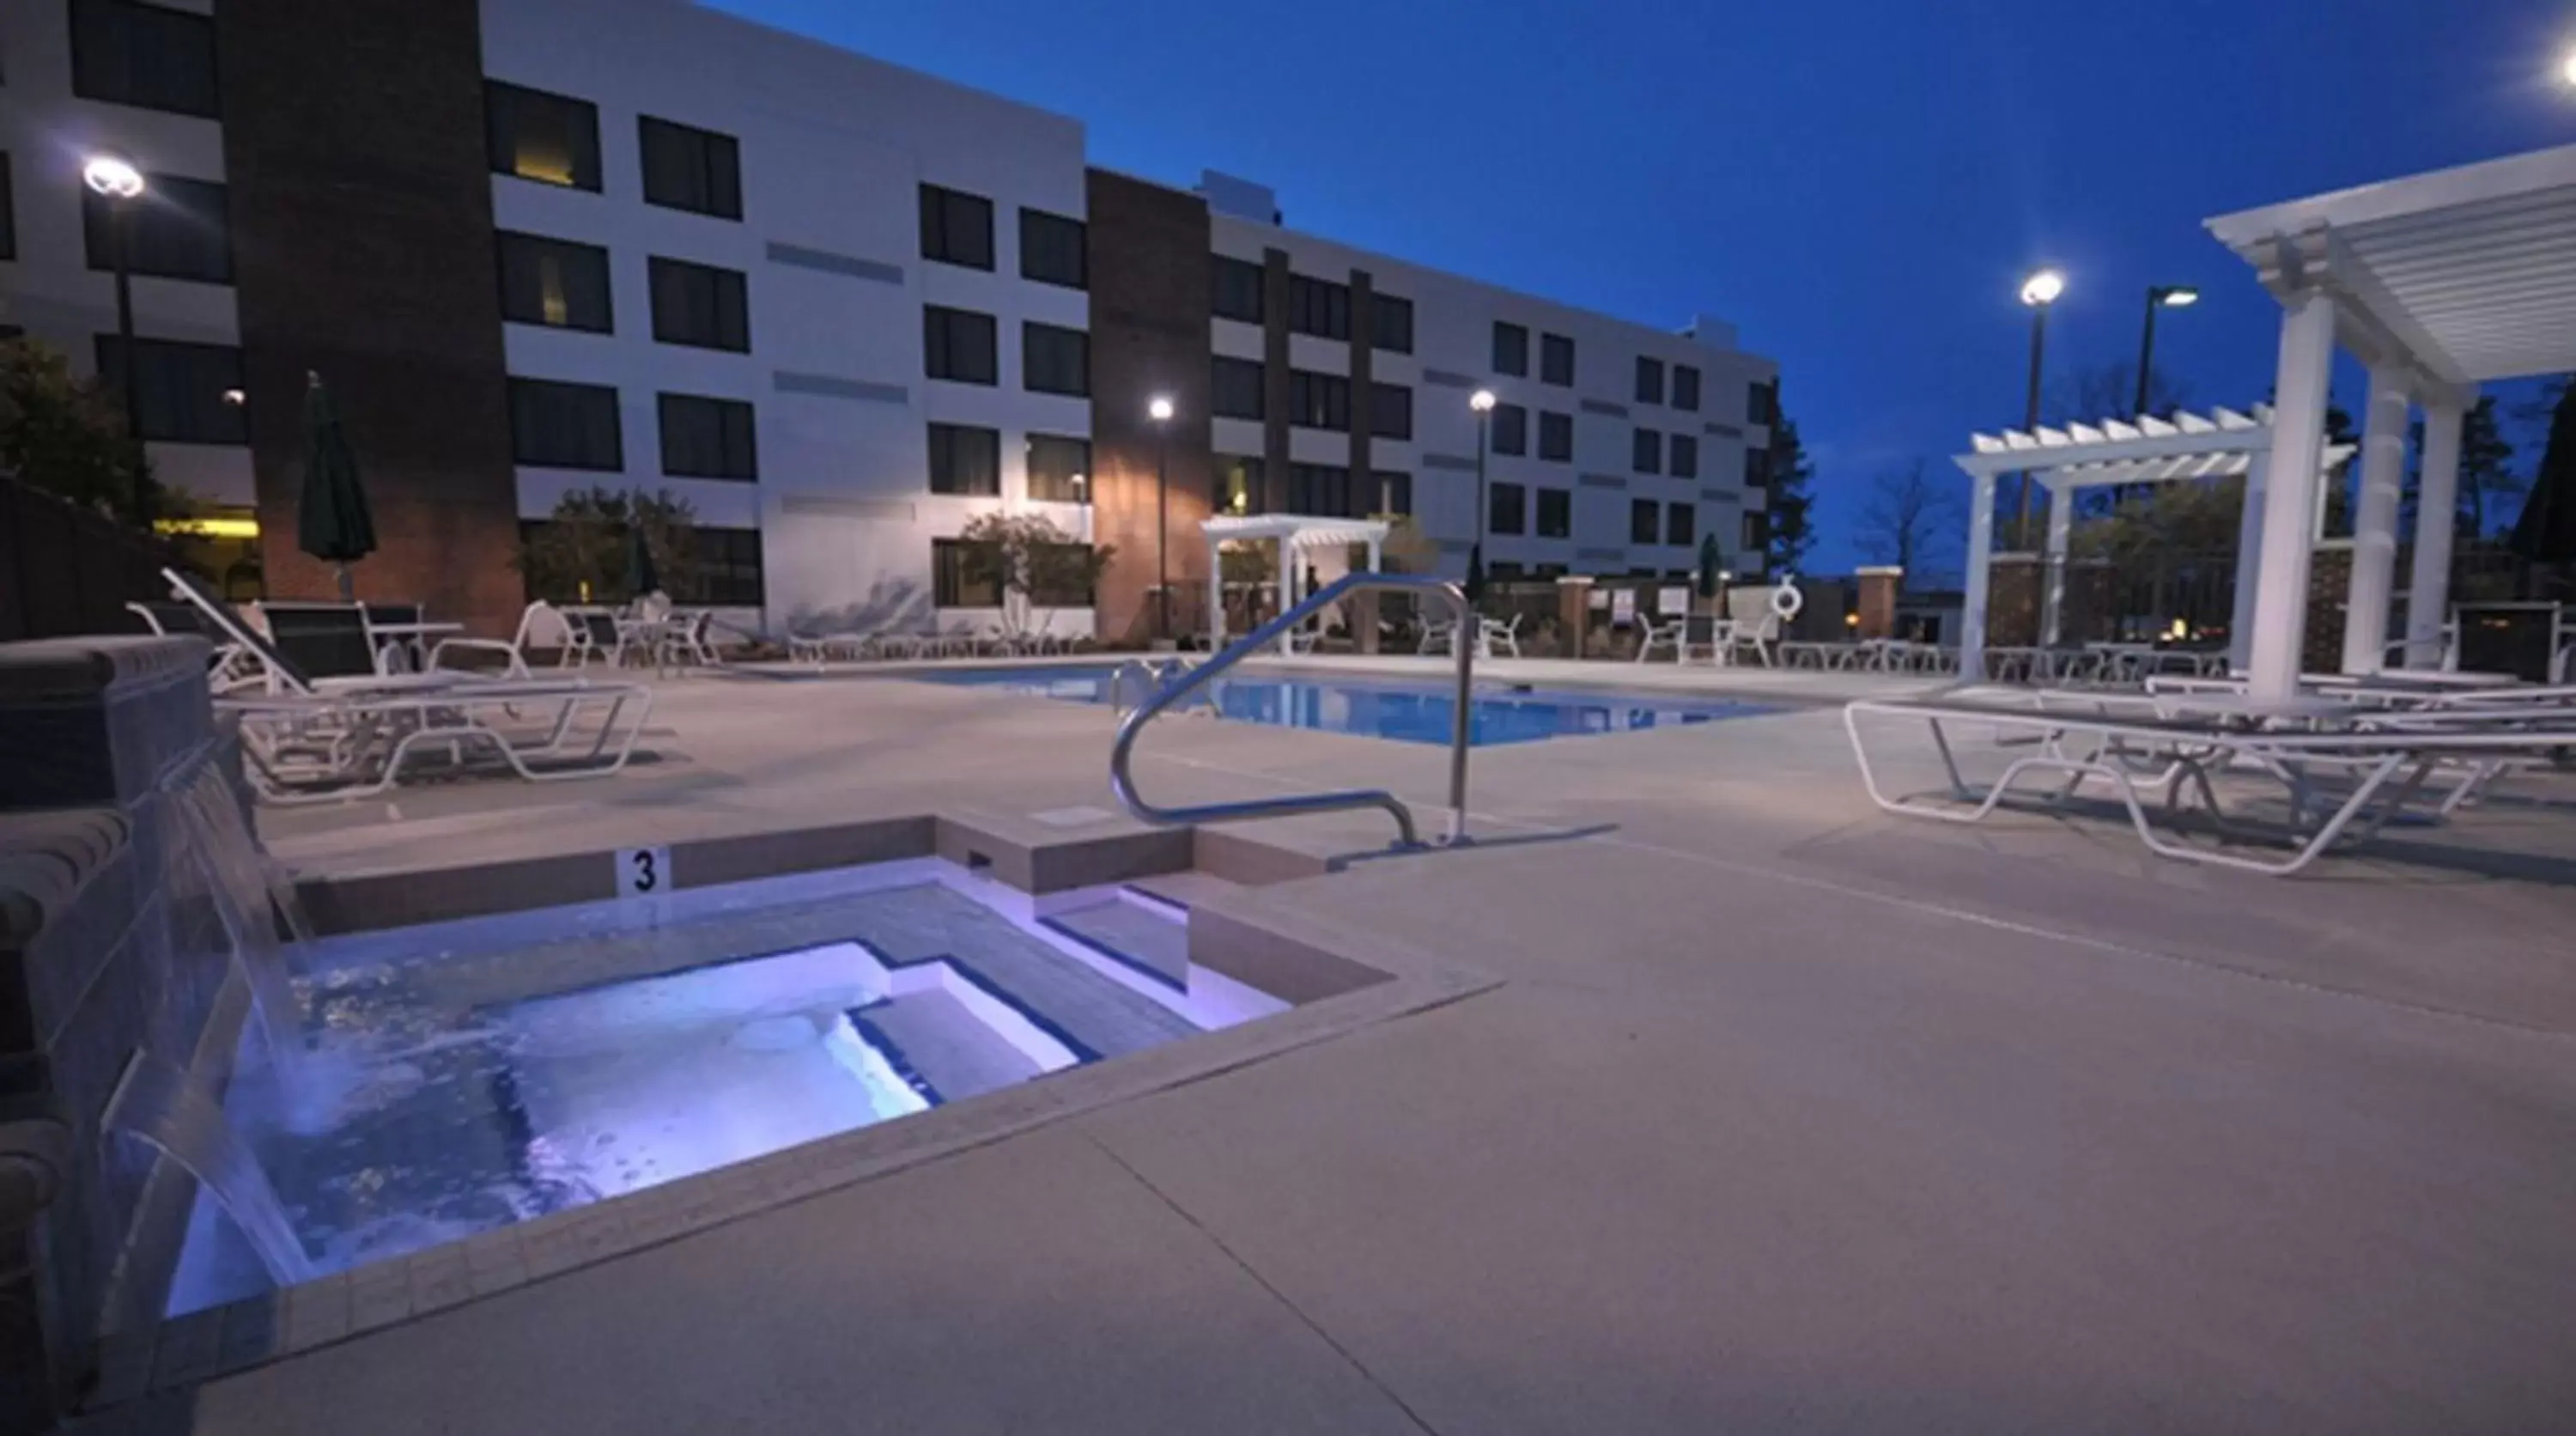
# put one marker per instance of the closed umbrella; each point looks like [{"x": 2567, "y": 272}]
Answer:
[
  {"x": 1475, "y": 585},
  {"x": 1709, "y": 560},
  {"x": 332, "y": 521},
  {"x": 639, "y": 562}
]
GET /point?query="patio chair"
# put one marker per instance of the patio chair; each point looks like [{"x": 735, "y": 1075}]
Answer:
[
  {"x": 229, "y": 667},
  {"x": 1756, "y": 616},
  {"x": 328, "y": 747},
  {"x": 1673, "y": 635},
  {"x": 1493, "y": 633},
  {"x": 325, "y": 640},
  {"x": 1437, "y": 637},
  {"x": 2343, "y": 784},
  {"x": 541, "y": 625}
]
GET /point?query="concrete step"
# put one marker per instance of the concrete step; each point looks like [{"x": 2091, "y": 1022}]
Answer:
[
  {"x": 1147, "y": 937},
  {"x": 944, "y": 1050},
  {"x": 1185, "y": 889}
]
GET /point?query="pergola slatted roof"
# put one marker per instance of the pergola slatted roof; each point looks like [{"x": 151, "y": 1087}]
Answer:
[
  {"x": 2220, "y": 444},
  {"x": 2462, "y": 275}
]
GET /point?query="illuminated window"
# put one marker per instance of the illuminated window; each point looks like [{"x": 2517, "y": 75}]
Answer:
[
  {"x": 1059, "y": 469},
  {"x": 554, "y": 282},
  {"x": 551, "y": 139}
]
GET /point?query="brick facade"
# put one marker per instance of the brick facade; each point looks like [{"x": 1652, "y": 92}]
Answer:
[{"x": 363, "y": 251}]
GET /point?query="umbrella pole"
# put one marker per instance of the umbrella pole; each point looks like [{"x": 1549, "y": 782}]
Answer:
[{"x": 348, "y": 589}]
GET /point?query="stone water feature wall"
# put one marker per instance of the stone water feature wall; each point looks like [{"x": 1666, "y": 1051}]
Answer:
[{"x": 106, "y": 945}]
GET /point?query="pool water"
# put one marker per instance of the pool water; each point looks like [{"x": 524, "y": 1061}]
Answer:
[{"x": 1405, "y": 712}]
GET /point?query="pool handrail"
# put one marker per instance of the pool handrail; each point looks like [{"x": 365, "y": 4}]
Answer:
[{"x": 1123, "y": 783}]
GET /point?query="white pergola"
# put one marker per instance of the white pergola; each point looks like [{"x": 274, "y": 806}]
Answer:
[
  {"x": 1293, "y": 533},
  {"x": 2145, "y": 450},
  {"x": 2438, "y": 282}
]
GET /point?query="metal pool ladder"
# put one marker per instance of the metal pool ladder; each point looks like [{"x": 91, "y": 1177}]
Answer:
[{"x": 1190, "y": 681}]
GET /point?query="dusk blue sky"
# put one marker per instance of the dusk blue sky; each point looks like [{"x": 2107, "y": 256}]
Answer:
[{"x": 1857, "y": 186}]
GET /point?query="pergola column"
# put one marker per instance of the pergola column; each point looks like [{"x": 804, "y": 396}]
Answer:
[
  {"x": 2374, "y": 529},
  {"x": 2061, "y": 531},
  {"x": 2279, "y": 619},
  {"x": 1288, "y": 594},
  {"x": 2428, "y": 592},
  {"x": 1972, "y": 608},
  {"x": 1216, "y": 594}
]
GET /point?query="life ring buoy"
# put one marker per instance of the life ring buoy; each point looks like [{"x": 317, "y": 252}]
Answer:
[{"x": 1786, "y": 600}]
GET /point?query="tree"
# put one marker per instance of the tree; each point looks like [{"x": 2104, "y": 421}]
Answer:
[
  {"x": 580, "y": 554},
  {"x": 2096, "y": 392},
  {"x": 1793, "y": 530},
  {"x": 2486, "y": 471},
  {"x": 1909, "y": 514},
  {"x": 1403, "y": 550},
  {"x": 67, "y": 435},
  {"x": 1037, "y": 567}
]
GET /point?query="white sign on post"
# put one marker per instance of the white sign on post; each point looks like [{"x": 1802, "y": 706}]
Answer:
[
  {"x": 1623, "y": 607},
  {"x": 643, "y": 872},
  {"x": 1672, "y": 601}
]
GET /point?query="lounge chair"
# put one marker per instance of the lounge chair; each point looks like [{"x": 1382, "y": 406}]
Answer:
[
  {"x": 2343, "y": 783},
  {"x": 541, "y": 625},
  {"x": 230, "y": 667}
]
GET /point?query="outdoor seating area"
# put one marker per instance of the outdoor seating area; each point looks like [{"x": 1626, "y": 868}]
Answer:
[{"x": 901, "y": 645}]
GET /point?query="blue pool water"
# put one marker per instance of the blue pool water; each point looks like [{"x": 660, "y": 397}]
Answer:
[{"x": 1406, "y": 712}]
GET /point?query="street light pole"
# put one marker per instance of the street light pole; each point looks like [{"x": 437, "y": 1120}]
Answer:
[
  {"x": 2159, "y": 296},
  {"x": 1482, "y": 401},
  {"x": 1160, "y": 411},
  {"x": 118, "y": 182},
  {"x": 2038, "y": 292}
]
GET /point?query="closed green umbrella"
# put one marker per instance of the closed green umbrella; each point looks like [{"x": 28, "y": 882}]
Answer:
[
  {"x": 332, "y": 521},
  {"x": 639, "y": 562},
  {"x": 1475, "y": 584},
  {"x": 1709, "y": 560}
]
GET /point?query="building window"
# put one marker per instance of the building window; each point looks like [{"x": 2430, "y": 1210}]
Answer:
[
  {"x": 705, "y": 438},
  {"x": 700, "y": 305},
  {"x": 1650, "y": 380},
  {"x": 1507, "y": 509},
  {"x": 564, "y": 426},
  {"x": 1236, "y": 485},
  {"x": 180, "y": 390},
  {"x": 1683, "y": 459},
  {"x": 1555, "y": 513},
  {"x": 1052, "y": 249},
  {"x": 1680, "y": 521},
  {"x": 1054, "y": 360},
  {"x": 956, "y": 227},
  {"x": 1506, "y": 572},
  {"x": 1511, "y": 349},
  {"x": 1645, "y": 521},
  {"x": 692, "y": 169},
  {"x": 1390, "y": 411},
  {"x": 1394, "y": 491},
  {"x": 1319, "y": 401},
  {"x": 1511, "y": 429},
  {"x": 728, "y": 568},
  {"x": 1049, "y": 588},
  {"x": 1391, "y": 323},
  {"x": 958, "y": 345},
  {"x": 144, "y": 55},
  {"x": 1237, "y": 290},
  {"x": 1757, "y": 468},
  {"x": 1757, "y": 532},
  {"x": 1646, "y": 452},
  {"x": 551, "y": 139},
  {"x": 1323, "y": 489},
  {"x": 1234, "y": 391},
  {"x": 1686, "y": 388},
  {"x": 1319, "y": 307},
  {"x": 554, "y": 282},
  {"x": 1556, "y": 360},
  {"x": 961, "y": 577},
  {"x": 1556, "y": 437},
  {"x": 965, "y": 460},
  {"x": 178, "y": 230},
  {"x": 8, "y": 211},
  {"x": 1059, "y": 469},
  {"x": 1762, "y": 404}
]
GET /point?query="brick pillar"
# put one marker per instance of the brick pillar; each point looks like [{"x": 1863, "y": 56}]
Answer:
[
  {"x": 1573, "y": 611},
  {"x": 1877, "y": 601},
  {"x": 2012, "y": 600},
  {"x": 2329, "y": 601},
  {"x": 1149, "y": 335}
]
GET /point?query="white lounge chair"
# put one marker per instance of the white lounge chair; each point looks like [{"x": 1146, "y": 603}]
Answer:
[{"x": 541, "y": 625}]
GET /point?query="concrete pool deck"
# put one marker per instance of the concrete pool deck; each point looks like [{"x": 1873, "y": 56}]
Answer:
[{"x": 1783, "y": 1116}]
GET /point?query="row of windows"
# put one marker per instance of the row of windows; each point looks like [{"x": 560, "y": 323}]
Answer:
[
  {"x": 564, "y": 285},
  {"x": 966, "y": 459},
  {"x": 1556, "y": 366},
  {"x": 1651, "y": 452},
  {"x": 1508, "y": 511},
  {"x": 144, "y": 55},
  {"x": 560, "y": 425},
  {"x": 1318, "y": 307},
  {"x": 1315, "y": 401},
  {"x": 1655, "y": 453},
  {"x": 178, "y": 229},
  {"x": 964, "y": 574},
  {"x": 724, "y": 568},
  {"x": 554, "y": 139},
  {"x": 957, "y": 228},
  {"x": 963, "y": 347},
  {"x": 1236, "y": 487}
]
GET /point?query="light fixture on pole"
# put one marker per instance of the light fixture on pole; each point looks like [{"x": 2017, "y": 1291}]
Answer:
[
  {"x": 1482, "y": 401},
  {"x": 2038, "y": 292},
  {"x": 1159, "y": 409},
  {"x": 2159, "y": 296},
  {"x": 116, "y": 180},
  {"x": 2567, "y": 67}
]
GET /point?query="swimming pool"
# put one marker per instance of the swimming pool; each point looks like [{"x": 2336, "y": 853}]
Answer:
[{"x": 1406, "y": 712}]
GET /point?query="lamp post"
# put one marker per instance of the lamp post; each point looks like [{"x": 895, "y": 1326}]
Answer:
[
  {"x": 1482, "y": 401},
  {"x": 2159, "y": 296},
  {"x": 2037, "y": 292},
  {"x": 116, "y": 180},
  {"x": 1159, "y": 409}
]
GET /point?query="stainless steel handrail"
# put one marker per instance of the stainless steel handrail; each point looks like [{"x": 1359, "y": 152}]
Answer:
[{"x": 1123, "y": 783}]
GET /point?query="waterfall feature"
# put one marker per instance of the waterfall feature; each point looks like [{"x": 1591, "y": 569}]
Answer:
[
  {"x": 156, "y": 1103},
  {"x": 248, "y": 894}
]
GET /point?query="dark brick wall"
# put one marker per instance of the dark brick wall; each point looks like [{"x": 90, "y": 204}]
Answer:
[
  {"x": 1150, "y": 278},
  {"x": 1274, "y": 377},
  {"x": 363, "y": 250},
  {"x": 1363, "y": 397}
]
